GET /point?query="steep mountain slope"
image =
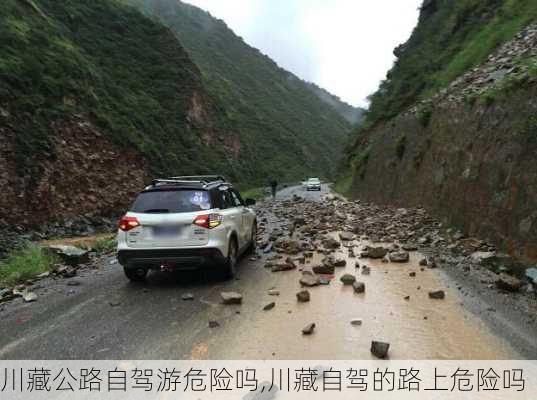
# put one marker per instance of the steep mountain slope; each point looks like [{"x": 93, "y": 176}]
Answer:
[
  {"x": 353, "y": 115},
  {"x": 459, "y": 137},
  {"x": 95, "y": 98},
  {"x": 284, "y": 127}
]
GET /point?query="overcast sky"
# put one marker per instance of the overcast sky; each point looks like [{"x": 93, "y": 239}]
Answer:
[{"x": 344, "y": 46}]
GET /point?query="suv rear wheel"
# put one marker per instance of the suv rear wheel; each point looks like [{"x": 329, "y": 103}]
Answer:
[
  {"x": 253, "y": 242},
  {"x": 230, "y": 267},
  {"x": 135, "y": 274}
]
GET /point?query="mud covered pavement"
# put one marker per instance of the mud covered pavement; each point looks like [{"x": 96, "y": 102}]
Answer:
[{"x": 331, "y": 277}]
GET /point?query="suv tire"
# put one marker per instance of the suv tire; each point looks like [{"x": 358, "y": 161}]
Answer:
[
  {"x": 253, "y": 239},
  {"x": 135, "y": 274},
  {"x": 230, "y": 266}
]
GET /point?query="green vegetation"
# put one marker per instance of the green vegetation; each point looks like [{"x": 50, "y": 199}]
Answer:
[
  {"x": 255, "y": 193},
  {"x": 106, "y": 62},
  {"x": 343, "y": 185},
  {"x": 104, "y": 245},
  {"x": 286, "y": 130},
  {"x": 24, "y": 264},
  {"x": 451, "y": 37}
]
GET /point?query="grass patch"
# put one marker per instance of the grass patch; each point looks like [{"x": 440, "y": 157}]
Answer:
[
  {"x": 24, "y": 264},
  {"x": 255, "y": 193},
  {"x": 104, "y": 245},
  {"x": 343, "y": 185}
]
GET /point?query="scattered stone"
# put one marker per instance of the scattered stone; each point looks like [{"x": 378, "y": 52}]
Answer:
[
  {"x": 74, "y": 283},
  {"x": 43, "y": 275},
  {"x": 437, "y": 294},
  {"x": 348, "y": 279},
  {"x": 269, "y": 306},
  {"x": 412, "y": 274},
  {"x": 366, "y": 270},
  {"x": 399, "y": 257},
  {"x": 115, "y": 303},
  {"x": 214, "y": 324},
  {"x": 323, "y": 269},
  {"x": 409, "y": 247},
  {"x": 356, "y": 322},
  {"x": 346, "y": 236},
  {"x": 376, "y": 252},
  {"x": 187, "y": 297},
  {"x": 359, "y": 287},
  {"x": 380, "y": 349},
  {"x": 29, "y": 297},
  {"x": 283, "y": 266},
  {"x": 303, "y": 296},
  {"x": 308, "y": 329},
  {"x": 423, "y": 262},
  {"x": 231, "y": 298},
  {"x": 509, "y": 283},
  {"x": 407, "y": 298},
  {"x": 273, "y": 292},
  {"x": 308, "y": 279},
  {"x": 331, "y": 244}
]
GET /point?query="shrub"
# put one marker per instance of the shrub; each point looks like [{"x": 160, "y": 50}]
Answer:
[
  {"x": 24, "y": 264},
  {"x": 400, "y": 147}
]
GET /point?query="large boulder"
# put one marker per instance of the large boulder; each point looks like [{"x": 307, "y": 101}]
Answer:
[
  {"x": 509, "y": 283},
  {"x": 309, "y": 280},
  {"x": 231, "y": 298},
  {"x": 375, "y": 252},
  {"x": 399, "y": 256},
  {"x": 70, "y": 255},
  {"x": 379, "y": 349}
]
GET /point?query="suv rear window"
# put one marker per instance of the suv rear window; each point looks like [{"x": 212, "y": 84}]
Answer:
[{"x": 172, "y": 201}]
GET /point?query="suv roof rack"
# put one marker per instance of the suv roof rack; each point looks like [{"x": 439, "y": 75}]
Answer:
[{"x": 203, "y": 180}]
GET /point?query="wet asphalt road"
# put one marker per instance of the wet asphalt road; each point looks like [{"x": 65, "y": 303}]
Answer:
[
  {"x": 146, "y": 321},
  {"x": 108, "y": 317}
]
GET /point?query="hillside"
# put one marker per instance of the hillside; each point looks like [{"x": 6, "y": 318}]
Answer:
[
  {"x": 453, "y": 127},
  {"x": 95, "y": 98},
  {"x": 285, "y": 127},
  {"x": 354, "y": 115}
]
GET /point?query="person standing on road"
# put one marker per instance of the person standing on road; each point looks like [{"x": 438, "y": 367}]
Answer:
[{"x": 273, "y": 187}]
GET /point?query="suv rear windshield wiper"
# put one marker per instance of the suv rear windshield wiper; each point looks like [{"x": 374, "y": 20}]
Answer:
[{"x": 156, "y": 211}]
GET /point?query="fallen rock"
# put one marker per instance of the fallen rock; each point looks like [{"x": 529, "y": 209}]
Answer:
[
  {"x": 376, "y": 252},
  {"x": 346, "y": 236},
  {"x": 29, "y": 297},
  {"x": 303, "y": 296},
  {"x": 214, "y": 324},
  {"x": 74, "y": 283},
  {"x": 283, "y": 266},
  {"x": 366, "y": 270},
  {"x": 409, "y": 247},
  {"x": 231, "y": 298},
  {"x": 380, "y": 349},
  {"x": 187, "y": 297},
  {"x": 324, "y": 269},
  {"x": 359, "y": 287},
  {"x": 269, "y": 306},
  {"x": 399, "y": 257},
  {"x": 356, "y": 322},
  {"x": 509, "y": 283},
  {"x": 412, "y": 274},
  {"x": 71, "y": 255},
  {"x": 308, "y": 329},
  {"x": 348, "y": 279},
  {"x": 437, "y": 294},
  {"x": 273, "y": 292},
  {"x": 331, "y": 243},
  {"x": 423, "y": 262},
  {"x": 309, "y": 279},
  {"x": 114, "y": 303}
]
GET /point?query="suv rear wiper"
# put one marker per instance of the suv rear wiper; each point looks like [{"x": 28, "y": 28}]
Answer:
[{"x": 157, "y": 211}]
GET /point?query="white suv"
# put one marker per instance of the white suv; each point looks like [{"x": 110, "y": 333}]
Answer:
[
  {"x": 313, "y": 184},
  {"x": 186, "y": 222}
]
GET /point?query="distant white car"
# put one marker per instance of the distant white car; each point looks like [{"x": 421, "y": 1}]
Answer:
[{"x": 313, "y": 184}]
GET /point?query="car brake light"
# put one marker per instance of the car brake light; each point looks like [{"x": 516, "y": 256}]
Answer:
[
  {"x": 128, "y": 223},
  {"x": 208, "y": 221}
]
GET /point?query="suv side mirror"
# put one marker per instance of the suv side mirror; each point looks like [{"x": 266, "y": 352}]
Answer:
[{"x": 249, "y": 202}]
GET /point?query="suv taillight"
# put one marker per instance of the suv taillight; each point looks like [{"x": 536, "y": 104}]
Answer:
[
  {"x": 128, "y": 223},
  {"x": 208, "y": 221}
]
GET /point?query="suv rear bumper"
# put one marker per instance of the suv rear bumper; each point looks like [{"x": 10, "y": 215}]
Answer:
[{"x": 174, "y": 258}]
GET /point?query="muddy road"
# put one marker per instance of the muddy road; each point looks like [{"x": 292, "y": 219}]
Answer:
[{"x": 101, "y": 315}]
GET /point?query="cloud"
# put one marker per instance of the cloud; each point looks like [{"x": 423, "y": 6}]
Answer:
[{"x": 344, "y": 46}]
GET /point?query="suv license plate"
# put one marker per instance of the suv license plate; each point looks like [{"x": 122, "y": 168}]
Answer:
[{"x": 166, "y": 231}]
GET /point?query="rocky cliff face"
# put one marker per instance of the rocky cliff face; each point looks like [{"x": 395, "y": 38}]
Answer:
[{"x": 467, "y": 154}]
